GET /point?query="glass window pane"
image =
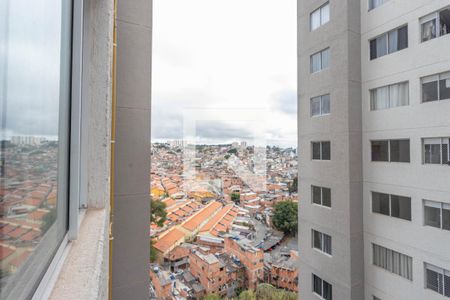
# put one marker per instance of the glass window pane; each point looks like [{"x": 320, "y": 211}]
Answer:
[
  {"x": 317, "y": 285},
  {"x": 398, "y": 94},
  {"x": 402, "y": 37},
  {"x": 35, "y": 59},
  {"x": 325, "y": 104},
  {"x": 434, "y": 280},
  {"x": 446, "y": 217},
  {"x": 444, "y": 18},
  {"x": 444, "y": 89},
  {"x": 326, "y": 151},
  {"x": 380, "y": 203},
  {"x": 399, "y": 150},
  {"x": 315, "y": 106},
  {"x": 315, "y": 19},
  {"x": 327, "y": 291},
  {"x": 428, "y": 30},
  {"x": 326, "y": 243},
  {"x": 316, "y": 196},
  {"x": 326, "y": 197},
  {"x": 380, "y": 151},
  {"x": 401, "y": 207},
  {"x": 316, "y": 150},
  {"x": 432, "y": 216},
  {"x": 325, "y": 58},
  {"x": 381, "y": 45},
  {"x": 429, "y": 91},
  {"x": 393, "y": 41},
  {"x": 325, "y": 14},
  {"x": 315, "y": 62},
  {"x": 317, "y": 240}
]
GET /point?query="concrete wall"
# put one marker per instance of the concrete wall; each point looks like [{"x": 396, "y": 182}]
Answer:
[
  {"x": 415, "y": 121},
  {"x": 131, "y": 215},
  {"x": 343, "y": 173}
]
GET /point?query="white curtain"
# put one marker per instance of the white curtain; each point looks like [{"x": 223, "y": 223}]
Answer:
[
  {"x": 315, "y": 19},
  {"x": 325, "y": 14},
  {"x": 325, "y": 104},
  {"x": 315, "y": 106},
  {"x": 399, "y": 94},
  {"x": 315, "y": 62},
  {"x": 381, "y": 45},
  {"x": 380, "y": 98},
  {"x": 325, "y": 58},
  {"x": 393, "y": 41}
]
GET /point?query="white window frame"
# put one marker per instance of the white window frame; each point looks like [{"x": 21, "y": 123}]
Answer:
[
  {"x": 432, "y": 16},
  {"x": 322, "y": 242},
  {"x": 437, "y": 270},
  {"x": 322, "y": 281},
  {"x": 430, "y": 78},
  {"x": 321, "y": 100},
  {"x": 389, "y": 151},
  {"x": 321, "y": 196},
  {"x": 387, "y": 41},
  {"x": 389, "y": 268},
  {"x": 442, "y": 139},
  {"x": 371, "y": 100},
  {"x": 321, "y": 53},
  {"x": 370, "y": 9},
  {"x": 390, "y": 206},
  {"x": 319, "y": 10},
  {"x": 435, "y": 204}
]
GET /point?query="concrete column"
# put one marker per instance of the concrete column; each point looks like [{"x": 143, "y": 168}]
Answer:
[{"x": 131, "y": 215}]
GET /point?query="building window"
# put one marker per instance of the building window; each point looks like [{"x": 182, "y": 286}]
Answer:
[
  {"x": 320, "y": 16},
  {"x": 390, "y": 150},
  {"x": 392, "y": 261},
  {"x": 436, "y": 151},
  {"x": 437, "y": 279},
  {"x": 435, "y": 25},
  {"x": 389, "y": 42},
  {"x": 375, "y": 3},
  {"x": 391, "y": 205},
  {"x": 320, "y": 105},
  {"x": 321, "y": 288},
  {"x": 389, "y": 96},
  {"x": 321, "y": 195},
  {"x": 321, "y": 150},
  {"x": 320, "y": 60},
  {"x": 321, "y": 241},
  {"x": 376, "y": 298},
  {"x": 436, "y": 214},
  {"x": 436, "y": 87},
  {"x": 34, "y": 146}
]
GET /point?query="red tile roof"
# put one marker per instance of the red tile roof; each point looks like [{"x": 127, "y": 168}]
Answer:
[{"x": 167, "y": 241}]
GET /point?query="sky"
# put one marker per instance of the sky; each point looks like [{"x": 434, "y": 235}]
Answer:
[
  {"x": 227, "y": 66},
  {"x": 30, "y": 37}
]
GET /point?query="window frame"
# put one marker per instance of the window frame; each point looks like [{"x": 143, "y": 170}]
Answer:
[
  {"x": 374, "y": 7},
  {"x": 322, "y": 281},
  {"x": 389, "y": 151},
  {"x": 373, "y": 90},
  {"x": 320, "y": 150},
  {"x": 321, "y": 100},
  {"x": 321, "y": 196},
  {"x": 427, "y": 18},
  {"x": 438, "y": 76},
  {"x": 390, "y": 205},
  {"x": 387, "y": 34},
  {"x": 322, "y": 242},
  {"x": 440, "y": 151},
  {"x": 389, "y": 268},
  {"x": 319, "y": 9},
  {"x": 437, "y": 270},
  {"x": 77, "y": 176},
  {"x": 320, "y": 52},
  {"x": 438, "y": 205}
]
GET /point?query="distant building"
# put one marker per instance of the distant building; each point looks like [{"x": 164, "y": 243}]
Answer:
[
  {"x": 27, "y": 140},
  {"x": 284, "y": 272}
]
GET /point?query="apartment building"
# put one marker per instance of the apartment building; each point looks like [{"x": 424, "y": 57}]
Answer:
[{"x": 374, "y": 82}]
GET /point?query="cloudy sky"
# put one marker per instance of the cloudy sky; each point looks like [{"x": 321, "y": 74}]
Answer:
[{"x": 229, "y": 63}]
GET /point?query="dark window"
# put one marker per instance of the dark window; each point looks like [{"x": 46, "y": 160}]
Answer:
[
  {"x": 321, "y": 150},
  {"x": 399, "y": 150},
  {"x": 316, "y": 150},
  {"x": 380, "y": 150},
  {"x": 380, "y": 203},
  {"x": 316, "y": 195},
  {"x": 389, "y": 42},
  {"x": 430, "y": 91},
  {"x": 436, "y": 150},
  {"x": 446, "y": 217},
  {"x": 444, "y": 87},
  {"x": 326, "y": 197},
  {"x": 401, "y": 207},
  {"x": 402, "y": 38},
  {"x": 432, "y": 216},
  {"x": 321, "y": 195},
  {"x": 317, "y": 285},
  {"x": 326, "y": 151}
]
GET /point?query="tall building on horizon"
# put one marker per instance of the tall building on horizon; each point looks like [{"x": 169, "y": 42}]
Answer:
[{"x": 374, "y": 98}]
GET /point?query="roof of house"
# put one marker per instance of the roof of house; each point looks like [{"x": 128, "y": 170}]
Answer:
[
  {"x": 197, "y": 219},
  {"x": 169, "y": 239}
]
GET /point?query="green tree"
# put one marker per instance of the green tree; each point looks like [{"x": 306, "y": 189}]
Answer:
[
  {"x": 153, "y": 251},
  {"x": 227, "y": 156},
  {"x": 285, "y": 217},
  {"x": 247, "y": 295},
  {"x": 236, "y": 198},
  {"x": 158, "y": 212},
  {"x": 233, "y": 151}
]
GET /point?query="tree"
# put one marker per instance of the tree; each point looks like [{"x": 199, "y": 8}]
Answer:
[
  {"x": 158, "y": 213},
  {"x": 153, "y": 251},
  {"x": 285, "y": 217},
  {"x": 233, "y": 151},
  {"x": 236, "y": 198},
  {"x": 247, "y": 295}
]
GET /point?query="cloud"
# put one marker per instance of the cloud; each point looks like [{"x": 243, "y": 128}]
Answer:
[
  {"x": 286, "y": 102},
  {"x": 218, "y": 129}
]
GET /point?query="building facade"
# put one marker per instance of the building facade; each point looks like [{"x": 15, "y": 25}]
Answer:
[{"x": 374, "y": 85}]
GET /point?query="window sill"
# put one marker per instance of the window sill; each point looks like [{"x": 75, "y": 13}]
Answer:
[{"x": 84, "y": 273}]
